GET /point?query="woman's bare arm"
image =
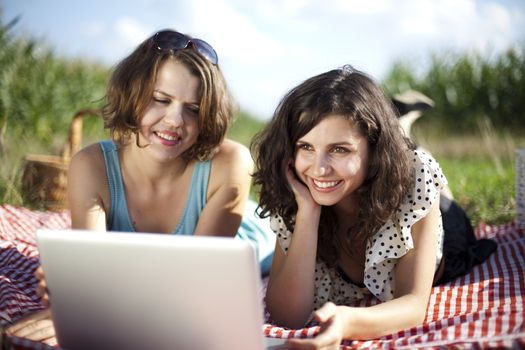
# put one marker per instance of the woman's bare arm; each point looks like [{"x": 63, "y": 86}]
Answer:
[
  {"x": 290, "y": 292},
  {"x": 414, "y": 274},
  {"x": 228, "y": 191},
  {"x": 87, "y": 185}
]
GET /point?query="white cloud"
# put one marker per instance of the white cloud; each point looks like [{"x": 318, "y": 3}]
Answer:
[
  {"x": 130, "y": 31},
  {"x": 290, "y": 7},
  {"x": 361, "y": 7},
  {"x": 112, "y": 40},
  {"x": 456, "y": 24},
  {"x": 433, "y": 18},
  {"x": 271, "y": 9},
  {"x": 497, "y": 17},
  {"x": 235, "y": 36}
]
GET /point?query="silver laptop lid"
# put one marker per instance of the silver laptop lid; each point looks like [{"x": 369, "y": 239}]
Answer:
[{"x": 152, "y": 291}]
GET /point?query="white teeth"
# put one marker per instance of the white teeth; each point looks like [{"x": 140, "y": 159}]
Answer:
[
  {"x": 325, "y": 184},
  {"x": 166, "y": 136}
]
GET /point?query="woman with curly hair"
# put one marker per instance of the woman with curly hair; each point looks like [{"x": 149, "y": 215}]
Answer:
[{"x": 355, "y": 208}]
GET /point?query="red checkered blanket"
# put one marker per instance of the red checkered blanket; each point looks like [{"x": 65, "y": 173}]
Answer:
[{"x": 481, "y": 310}]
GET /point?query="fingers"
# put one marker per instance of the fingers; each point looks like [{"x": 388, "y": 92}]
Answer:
[
  {"x": 41, "y": 289},
  {"x": 300, "y": 190},
  {"x": 294, "y": 183},
  {"x": 329, "y": 337},
  {"x": 39, "y": 273},
  {"x": 313, "y": 343},
  {"x": 29, "y": 319},
  {"x": 42, "y": 292},
  {"x": 327, "y": 311},
  {"x": 290, "y": 175},
  {"x": 38, "y": 330},
  {"x": 37, "y": 326},
  {"x": 44, "y": 334}
]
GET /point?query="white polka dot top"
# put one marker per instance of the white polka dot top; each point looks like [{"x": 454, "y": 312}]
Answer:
[{"x": 391, "y": 242}]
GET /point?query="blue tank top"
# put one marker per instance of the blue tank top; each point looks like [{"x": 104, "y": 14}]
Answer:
[
  {"x": 119, "y": 219},
  {"x": 253, "y": 229}
]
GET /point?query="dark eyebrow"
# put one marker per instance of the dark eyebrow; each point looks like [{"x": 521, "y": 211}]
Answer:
[{"x": 333, "y": 144}]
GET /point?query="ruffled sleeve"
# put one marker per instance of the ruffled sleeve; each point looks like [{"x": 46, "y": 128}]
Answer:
[
  {"x": 283, "y": 234},
  {"x": 394, "y": 239}
]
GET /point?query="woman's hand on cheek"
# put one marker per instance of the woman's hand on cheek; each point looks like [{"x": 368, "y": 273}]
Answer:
[
  {"x": 302, "y": 194},
  {"x": 330, "y": 335}
]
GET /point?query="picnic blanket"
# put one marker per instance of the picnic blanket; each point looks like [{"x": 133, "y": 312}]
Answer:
[{"x": 482, "y": 310}]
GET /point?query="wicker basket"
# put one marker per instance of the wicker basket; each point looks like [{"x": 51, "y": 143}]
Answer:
[{"x": 44, "y": 180}]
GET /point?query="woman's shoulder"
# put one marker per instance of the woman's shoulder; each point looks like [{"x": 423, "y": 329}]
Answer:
[
  {"x": 231, "y": 168},
  {"x": 89, "y": 159},
  {"x": 87, "y": 176},
  {"x": 232, "y": 156},
  {"x": 423, "y": 161},
  {"x": 233, "y": 148},
  {"x": 230, "y": 174}
]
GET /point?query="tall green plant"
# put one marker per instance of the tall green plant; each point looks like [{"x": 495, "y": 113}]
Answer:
[
  {"x": 40, "y": 92},
  {"x": 466, "y": 86}
]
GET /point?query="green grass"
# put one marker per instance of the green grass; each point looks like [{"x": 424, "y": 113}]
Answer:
[
  {"x": 486, "y": 193},
  {"x": 480, "y": 168}
]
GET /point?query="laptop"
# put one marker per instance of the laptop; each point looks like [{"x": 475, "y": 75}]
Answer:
[{"x": 152, "y": 291}]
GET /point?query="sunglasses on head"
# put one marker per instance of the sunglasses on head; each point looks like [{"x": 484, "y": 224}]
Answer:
[{"x": 169, "y": 40}]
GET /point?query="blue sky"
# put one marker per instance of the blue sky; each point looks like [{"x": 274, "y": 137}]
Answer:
[{"x": 266, "y": 47}]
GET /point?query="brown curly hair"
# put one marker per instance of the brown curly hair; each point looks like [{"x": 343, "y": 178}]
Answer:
[
  {"x": 130, "y": 90},
  {"x": 354, "y": 95}
]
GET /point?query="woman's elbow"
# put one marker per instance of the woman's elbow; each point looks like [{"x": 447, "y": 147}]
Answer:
[
  {"x": 418, "y": 314},
  {"x": 287, "y": 318},
  {"x": 287, "y": 312},
  {"x": 419, "y": 317}
]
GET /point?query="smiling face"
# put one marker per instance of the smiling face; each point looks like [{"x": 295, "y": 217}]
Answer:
[
  {"x": 332, "y": 160},
  {"x": 170, "y": 124}
]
